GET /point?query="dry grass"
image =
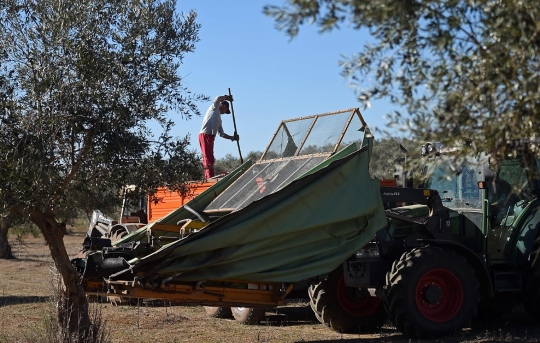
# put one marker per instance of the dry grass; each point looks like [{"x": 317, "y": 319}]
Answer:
[{"x": 25, "y": 289}]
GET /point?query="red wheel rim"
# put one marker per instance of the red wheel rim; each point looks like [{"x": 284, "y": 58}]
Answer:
[
  {"x": 439, "y": 295},
  {"x": 358, "y": 307}
]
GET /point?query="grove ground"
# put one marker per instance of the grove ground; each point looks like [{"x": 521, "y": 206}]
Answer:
[{"x": 26, "y": 285}]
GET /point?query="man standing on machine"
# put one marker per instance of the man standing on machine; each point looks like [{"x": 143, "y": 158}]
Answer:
[{"x": 210, "y": 127}]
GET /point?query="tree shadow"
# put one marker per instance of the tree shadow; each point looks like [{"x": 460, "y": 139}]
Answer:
[
  {"x": 515, "y": 327},
  {"x": 23, "y": 259},
  {"x": 19, "y": 300},
  {"x": 290, "y": 316}
]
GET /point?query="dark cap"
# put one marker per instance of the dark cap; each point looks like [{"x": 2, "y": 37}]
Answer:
[{"x": 226, "y": 104}]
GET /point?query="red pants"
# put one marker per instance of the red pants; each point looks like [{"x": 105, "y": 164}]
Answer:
[{"x": 206, "y": 142}]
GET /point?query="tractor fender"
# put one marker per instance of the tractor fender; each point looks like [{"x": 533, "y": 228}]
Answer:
[
  {"x": 522, "y": 240},
  {"x": 525, "y": 244},
  {"x": 480, "y": 267}
]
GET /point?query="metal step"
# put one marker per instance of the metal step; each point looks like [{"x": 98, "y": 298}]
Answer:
[{"x": 507, "y": 280}]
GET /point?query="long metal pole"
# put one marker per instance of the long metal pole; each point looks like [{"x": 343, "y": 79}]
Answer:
[{"x": 234, "y": 123}]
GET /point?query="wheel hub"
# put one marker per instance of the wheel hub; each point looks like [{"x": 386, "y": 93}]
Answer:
[
  {"x": 432, "y": 294},
  {"x": 439, "y": 295}
]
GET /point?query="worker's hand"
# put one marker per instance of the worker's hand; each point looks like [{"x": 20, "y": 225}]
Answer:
[
  {"x": 230, "y": 98},
  {"x": 235, "y": 137}
]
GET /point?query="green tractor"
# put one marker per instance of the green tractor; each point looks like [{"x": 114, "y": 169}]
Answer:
[{"x": 468, "y": 247}]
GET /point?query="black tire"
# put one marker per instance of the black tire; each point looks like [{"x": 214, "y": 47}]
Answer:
[
  {"x": 531, "y": 282},
  {"x": 312, "y": 304},
  {"x": 345, "y": 309},
  {"x": 218, "y": 312},
  {"x": 248, "y": 315},
  {"x": 431, "y": 292}
]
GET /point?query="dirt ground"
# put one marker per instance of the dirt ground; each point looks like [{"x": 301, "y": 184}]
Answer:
[{"x": 25, "y": 287}]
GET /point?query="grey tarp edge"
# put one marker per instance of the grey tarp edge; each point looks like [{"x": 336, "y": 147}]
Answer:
[{"x": 340, "y": 204}]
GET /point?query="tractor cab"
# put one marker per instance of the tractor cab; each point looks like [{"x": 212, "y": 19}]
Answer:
[{"x": 487, "y": 201}]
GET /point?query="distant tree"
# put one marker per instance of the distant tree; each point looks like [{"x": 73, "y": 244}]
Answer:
[
  {"x": 387, "y": 153},
  {"x": 254, "y": 156},
  {"x": 230, "y": 162},
  {"x": 461, "y": 69},
  {"x": 80, "y": 82},
  {"x": 226, "y": 164},
  {"x": 383, "y": 162}
]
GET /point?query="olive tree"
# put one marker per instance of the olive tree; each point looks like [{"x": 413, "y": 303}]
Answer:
[
  {"x": 458, "y": 70},
  {"x": 85, "y": 88},
  {"x": 6, "y": 220}
]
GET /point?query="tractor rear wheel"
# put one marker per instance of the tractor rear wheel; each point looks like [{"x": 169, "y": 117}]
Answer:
[
  {"x": 218, "y": 312},
  {"x": 248, "y": 315},
  {"x": 431, "y": 292},
  {"x": 345, "y": 309},
  {"x": 531, "y": 282}
]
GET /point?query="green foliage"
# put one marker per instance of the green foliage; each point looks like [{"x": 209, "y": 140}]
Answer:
[
  {"x": 383, "y": 164},
  {"x": 80, "y": 82},
  {"x": 226, "y": 164},
  {"x": 21, "y": 231},
  {"x": 460, "y": 69},
  {"x": 230, "y": 162},
  {"x": 386, "y": 152}
]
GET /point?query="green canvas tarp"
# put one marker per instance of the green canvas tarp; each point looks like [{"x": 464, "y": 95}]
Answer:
[{"x": 306, "y": 229}]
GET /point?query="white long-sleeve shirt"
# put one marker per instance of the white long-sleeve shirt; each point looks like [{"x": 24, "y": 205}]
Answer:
[{"x": 212, "y": 120}]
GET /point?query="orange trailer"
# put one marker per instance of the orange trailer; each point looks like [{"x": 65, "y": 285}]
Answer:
[{"x": 168, "y": 201}]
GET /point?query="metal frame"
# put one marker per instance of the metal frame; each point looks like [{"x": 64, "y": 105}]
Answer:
[
  {"x": 315, "y": 118},
  {"x": 265, "y": 294}
]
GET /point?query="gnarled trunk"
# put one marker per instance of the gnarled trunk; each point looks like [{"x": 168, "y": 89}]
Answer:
[
  {"x": 5, "y": 248},
  {"x": 72, "y": 305}
]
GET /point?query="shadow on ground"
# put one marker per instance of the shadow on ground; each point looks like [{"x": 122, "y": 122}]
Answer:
[
  {"x": 516, "y": 327},
  {"x": 18, "y": 300},
  {"x": 290, "y": 316}
]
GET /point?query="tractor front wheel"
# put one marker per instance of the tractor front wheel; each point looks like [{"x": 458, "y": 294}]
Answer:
[
  {"x": 431, "y": 292},
  {"x": 345, "y": 309}
]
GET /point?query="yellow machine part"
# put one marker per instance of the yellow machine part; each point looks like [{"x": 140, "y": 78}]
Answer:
[
  {"x": 251, "y": 295},
  {"x": 164, "y": 231}
]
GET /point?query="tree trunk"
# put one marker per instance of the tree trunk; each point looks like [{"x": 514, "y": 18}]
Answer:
[
  {"x": 5, "y": 248},
  {"x": 72, "y": 305}
]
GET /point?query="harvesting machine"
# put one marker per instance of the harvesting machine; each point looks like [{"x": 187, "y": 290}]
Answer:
[{"x": 308, "y": 210}]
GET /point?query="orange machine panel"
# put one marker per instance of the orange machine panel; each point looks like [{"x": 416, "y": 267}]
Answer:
[
  {"x": 388, "y": 182},
  {"x": 170, "y": 201}
]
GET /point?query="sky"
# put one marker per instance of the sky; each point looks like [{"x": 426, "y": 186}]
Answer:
[{"x": 271, "y": 77}]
